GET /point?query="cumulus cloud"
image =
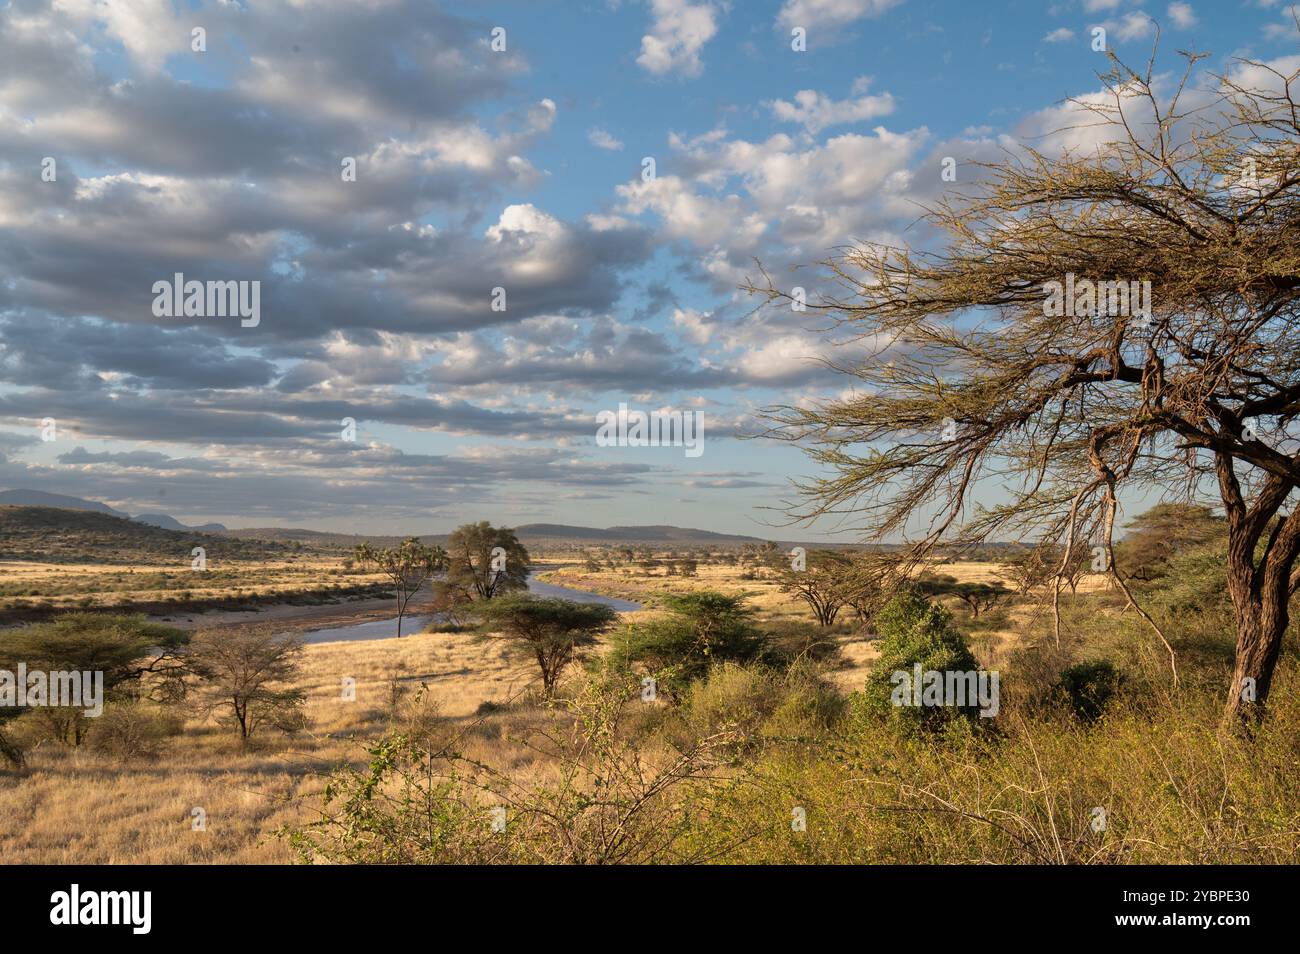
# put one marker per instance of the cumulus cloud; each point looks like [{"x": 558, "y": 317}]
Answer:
[
  {"x": 778, "y": 199},
  {"x": 679, "y": 30},
  {"x": 814, "y": 14},
  {"x": 1134, "y": 25},
  {"x": 1182, "y": 15},
  {"x": 815, "y": 111},
  {"x": 603, "y": 140}
]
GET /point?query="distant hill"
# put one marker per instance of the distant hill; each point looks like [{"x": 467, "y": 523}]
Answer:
[
  {"x": 646, "y": 534},
  {"x": 39, "y": 498},
  {"x": 73, "y": 535},
  {"x": 318, "y": 539},
  {"x": 171, "y": 523},
  {"x": 535, "y": 532}
]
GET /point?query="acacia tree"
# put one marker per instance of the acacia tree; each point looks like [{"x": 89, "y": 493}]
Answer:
[
  {"x": 1068, "y": 404},
  {"x": 1030, "y": 569},
  {"x": 554, "y": 631},
  {"x": 407, "y": 566},
  {"x": 249, "y": 672},
  {"x": 822, "y": 583},
  {"x": 486, "y": 560},
  {"x": 1156, "y": 537}
]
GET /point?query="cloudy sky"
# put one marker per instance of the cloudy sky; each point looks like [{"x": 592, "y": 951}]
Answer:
[{"x": 496, "y": 145}]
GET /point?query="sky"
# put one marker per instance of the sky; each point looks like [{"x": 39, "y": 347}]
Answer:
[{"x": 554, "y": 209}]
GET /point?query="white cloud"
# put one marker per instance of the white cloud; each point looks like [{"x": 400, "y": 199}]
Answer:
[
  {"x": 1059, "y": 35},
  {"x": 694, "y": 325},
  {"x": 815, "y": 111},
  {"x": 1133, "y": 26},
  {"x": 1092, "y": 6},
  {"x": 1183, "y": 16},
  {"x": 810, "y": 14},
  {"x": 677, "y": 36},
  {"x": 779, "y": 199},
  {"x": 148, "y": 29},
  {"x": 1287, "y": 28},
  {"x": 603, "y": 140}
]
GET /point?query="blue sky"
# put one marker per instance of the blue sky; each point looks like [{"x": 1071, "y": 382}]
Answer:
[{"x": 477, "y": 169}]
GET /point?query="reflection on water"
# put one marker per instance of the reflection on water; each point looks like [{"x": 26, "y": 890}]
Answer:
[{"x": 387, "y": 628}]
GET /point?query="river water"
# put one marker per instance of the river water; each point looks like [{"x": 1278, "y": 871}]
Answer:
[{"x": 386, "y": 628}]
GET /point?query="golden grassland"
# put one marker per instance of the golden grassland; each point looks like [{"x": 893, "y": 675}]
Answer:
[
  {"x": 79, "y": 806},
  {"x": 102, "y": 585},
  {"x": 82, "y": 806}
]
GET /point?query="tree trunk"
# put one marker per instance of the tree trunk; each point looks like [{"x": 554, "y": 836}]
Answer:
[
  {"x": 1261, "y": 623},
  {"x": 1260, "y": 585}
]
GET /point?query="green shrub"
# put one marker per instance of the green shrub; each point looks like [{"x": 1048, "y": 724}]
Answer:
[
  {"x": 1086, "y": 688},
  {"x": 759, "y": 703},
  {"x": 913, "y": 631},
  {"x": 701, "y": 629}
]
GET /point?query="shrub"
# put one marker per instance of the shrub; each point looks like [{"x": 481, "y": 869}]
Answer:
[
  {"x": 915, "y": 631},
  {"x": 133, "y": 730},
  {"x": 608, "y": 800},
  {"x": 701, "y": 629},
  {"x": 1086, "y": 688}
]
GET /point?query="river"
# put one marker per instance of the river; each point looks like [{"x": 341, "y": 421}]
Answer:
[{"x": 386, "y": 628}]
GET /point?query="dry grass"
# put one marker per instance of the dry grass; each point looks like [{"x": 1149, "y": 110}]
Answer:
[
  {"x": 83, "y": 807},
  {"x": 86, "y": 808}
]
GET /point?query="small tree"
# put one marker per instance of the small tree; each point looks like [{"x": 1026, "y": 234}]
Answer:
[
  {"x": 914, "y": 631},
  {"x": 247, "y": 671},
  {"x": 822, "y": 583},
  {"x": 126, "y": 649},
  {"x": 700, "y": 628},
  {"x": 1030, "y": 569},
  {"x": 555, "y": 631},
  {"x": 486, "y": 560},
  {"x": 408, "y": 567},
  {"x": 452, "y": 603}
]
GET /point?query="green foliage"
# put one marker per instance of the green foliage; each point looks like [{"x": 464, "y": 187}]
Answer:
[
  {"x": 761, "y": 703},
  {"x": 914, "y": 631},
  {"x": 487, "y": 561},
  {"x": 125, "y": 648},
  {"x": 1086, "y": 688},
  {"x": 701, "y": 628},
  {"x": 553, "y": 631}
]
